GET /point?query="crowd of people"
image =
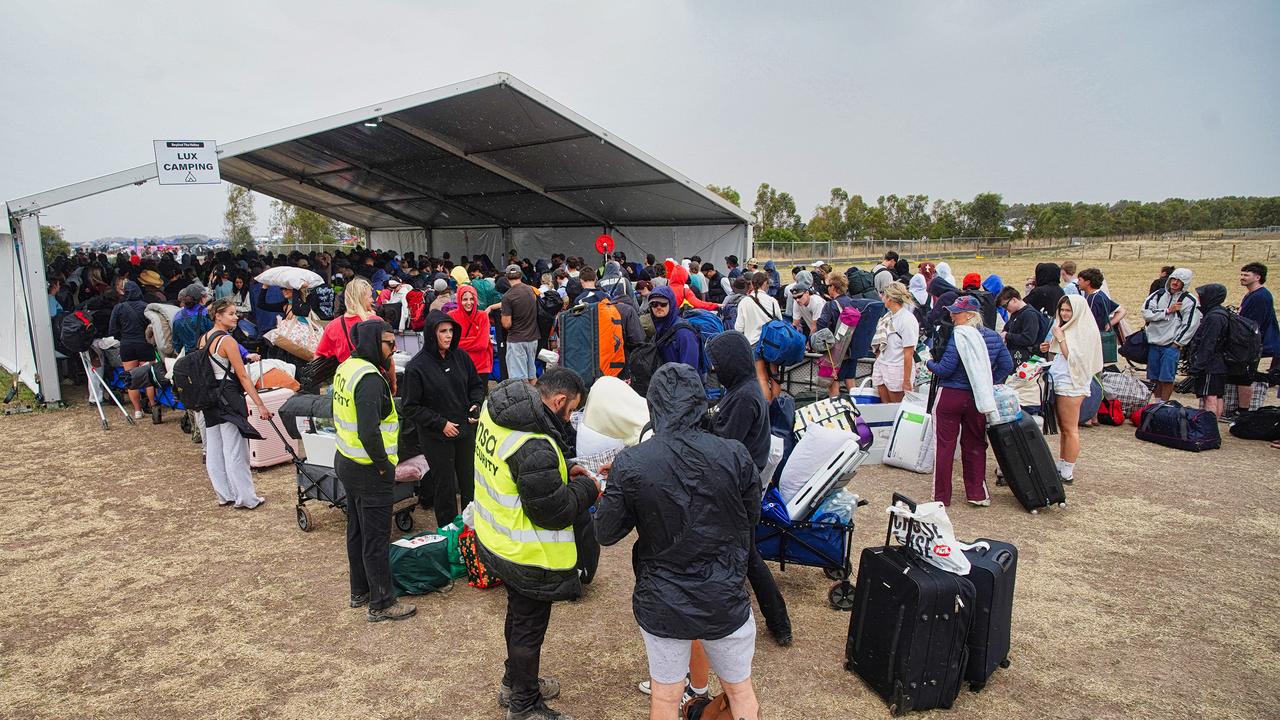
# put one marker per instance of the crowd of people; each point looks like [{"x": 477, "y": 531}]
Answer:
[{"x": 691, "y": 492}]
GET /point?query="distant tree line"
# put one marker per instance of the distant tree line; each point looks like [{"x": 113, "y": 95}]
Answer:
[{"x": 846, "y": 217}]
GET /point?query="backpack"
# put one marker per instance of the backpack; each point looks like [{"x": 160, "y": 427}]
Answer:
[
  {"x": 77, "y": 331},
  {"x": 1260, "y": 424},
  {"x": 591, "y": 340},
  {"x": 708, "y": 325},
  {"x": 729, "y": 311},
  {"x": 193, "y": 380},
  {"x": 1241, "y": 344},
  {"x": 549, "y": 306},
  {"x": 780, "y": 343},
  {"x": 862, "y": 284},
  {"x": 644, "y": 360},
  {"x": 417, "y": 305}
]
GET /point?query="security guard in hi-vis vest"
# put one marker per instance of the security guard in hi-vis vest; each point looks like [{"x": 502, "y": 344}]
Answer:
[
  {"x": 527, "y": 503},
  {"x": 368, "y": 428}
]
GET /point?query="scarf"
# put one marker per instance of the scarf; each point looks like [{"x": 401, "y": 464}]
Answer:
[{"x": 977, "y": 366}]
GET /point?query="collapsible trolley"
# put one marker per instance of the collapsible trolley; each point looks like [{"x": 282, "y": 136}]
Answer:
[{"x": 305, "y": 418}]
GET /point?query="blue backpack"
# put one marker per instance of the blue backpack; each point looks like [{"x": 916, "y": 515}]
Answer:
[
  {"x": 780, "y": 343},
  {"x": 708, "y": 325}
]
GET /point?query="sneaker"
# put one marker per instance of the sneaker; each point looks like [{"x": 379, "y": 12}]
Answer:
[
  {"x": 647, "y": 689},
  {"x": 137, "y": 415},
  {"x": 782, "y": 636},
  {"x": 547, "y": 687},
  {"x": 981, "y": 503},
  {"x": 399, "y": 611},
  {"x": 359, "y": 600},
  {"x": 1066, "y": 480},
  {"x": 538, "y": 712},
  {"x": 1229, "y": 416},
  {"x": 690, "y": 696}
]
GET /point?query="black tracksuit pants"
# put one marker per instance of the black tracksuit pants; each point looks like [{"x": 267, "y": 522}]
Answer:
[
  {"x": 453, "y": 466},
  {"x": 525, "y": 629},
  {"x": 772, "y": 606},
  {"x": 368, "y": 556}
]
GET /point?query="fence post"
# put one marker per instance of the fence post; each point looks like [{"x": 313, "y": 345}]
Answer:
[
  {"x": 1233, "y": 252},
  {"x": 1111, "y": 250},
  {"x": 1139, "y": 251}
]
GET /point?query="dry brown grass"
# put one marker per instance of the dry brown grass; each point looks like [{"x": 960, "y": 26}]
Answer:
[{"x": 132, "y": 595}]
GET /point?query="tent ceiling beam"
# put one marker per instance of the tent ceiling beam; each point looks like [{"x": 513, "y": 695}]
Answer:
[
  {"x": 532, "y": 143},
  {"x": 302, "y": 179}
]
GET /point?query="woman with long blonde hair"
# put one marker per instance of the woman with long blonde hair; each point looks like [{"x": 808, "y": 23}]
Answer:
[
  {"x": 894, "y": 368},
  {"x": 336, "y": 342}
]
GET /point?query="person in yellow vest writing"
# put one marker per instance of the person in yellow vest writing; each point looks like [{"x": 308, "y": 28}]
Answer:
[
  {"x": 368, "y": 428},
  {"x": 526, "y": 503}
]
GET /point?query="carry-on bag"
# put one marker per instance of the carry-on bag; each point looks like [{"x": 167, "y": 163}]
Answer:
[
  {"x": 1026, "y": 463},
  {"x": 909, "y": 629},
  {"x": 1173, "y": 426},
  {"x": 420, "y": 564},
  {"x": 835, "y": 471},
  {"x": 270, "y": 450},
  {"x": 912, "y": 443},
  {"x": 993, "y": 566},
  {"x": 1260, "y": 424},
  {"x": 838, "y": 412},
  {"x": 1125, "y": 387}
]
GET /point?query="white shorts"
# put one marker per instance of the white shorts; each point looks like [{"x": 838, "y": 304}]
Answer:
[
  {"x": 886, "y": 374},
  {"x": 1062, "y": 383},
  {"x": 730, "y": 656}
]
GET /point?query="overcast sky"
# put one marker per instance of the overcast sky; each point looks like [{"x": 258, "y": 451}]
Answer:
[{"x": 1038, "y": 101}]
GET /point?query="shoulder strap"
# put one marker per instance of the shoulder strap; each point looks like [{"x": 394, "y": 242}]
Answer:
[{"x": 761, "y": 305}]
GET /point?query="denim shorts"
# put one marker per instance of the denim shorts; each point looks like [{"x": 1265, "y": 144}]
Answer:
[
  {"x": 520, "y": 357},
  {"x": 1162, "y": 363},
  {"x": 730, "y": 656}
]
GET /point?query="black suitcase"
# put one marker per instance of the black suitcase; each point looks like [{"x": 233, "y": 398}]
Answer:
[
  {"x": 1026, "y": 463},
  {"x": 909, "y": 630},
  {"x": 993, "y": 570}
]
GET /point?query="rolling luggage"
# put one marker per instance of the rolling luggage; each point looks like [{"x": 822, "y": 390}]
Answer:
[
  {"x": 838, "y": 469},
  {"x": 1026, "y": 463},
  {"x": 270, "y": 450},
  {"x": 909, "y": 630},
  {"x": 1171, "y": 425},
  {"x": 993, "y": 567},
  {"x": 591, "y": 341}
]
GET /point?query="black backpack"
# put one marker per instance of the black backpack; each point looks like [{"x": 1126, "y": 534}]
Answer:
[
  {"x": 193, "y": 380},
  {"x": 1261, "y": 424},
  {"x": 1241, "y": 344},
  {"x": 77, "y": 331},
  {"x": 862, "y": 284},
  {"x": 645, "y": 359}
]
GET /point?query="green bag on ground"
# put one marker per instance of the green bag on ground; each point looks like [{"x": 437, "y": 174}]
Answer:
[
  {"x": 1110, "y": 351},
  {"x": 420, "y": 564},
  {"x": 452, "y": 531}
]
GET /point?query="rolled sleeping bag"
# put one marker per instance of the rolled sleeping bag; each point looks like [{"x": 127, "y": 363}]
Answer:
[{"x": 160, "y": 318}]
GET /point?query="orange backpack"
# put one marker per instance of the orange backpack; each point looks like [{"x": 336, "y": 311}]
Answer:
[{"x": 590, "y": 338}]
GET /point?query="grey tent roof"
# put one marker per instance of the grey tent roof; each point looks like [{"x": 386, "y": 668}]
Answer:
[{"x": 482, "y": 153}]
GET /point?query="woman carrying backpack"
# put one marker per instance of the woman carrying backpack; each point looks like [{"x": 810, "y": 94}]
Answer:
[
  {"x": 226, "y": 450},
  {"x": 754, "y": 312}
]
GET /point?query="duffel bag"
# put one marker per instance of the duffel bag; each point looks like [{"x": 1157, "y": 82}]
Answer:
[
  {"x": 420, "y": 564},
  {"x": 1111, "y": 413},
  {"x": 1260, "y": 424},
  {"x": 1171, "y": 425},
  {"x": 1126, "y": 388},
  {"x": 1135, "y": 347}
]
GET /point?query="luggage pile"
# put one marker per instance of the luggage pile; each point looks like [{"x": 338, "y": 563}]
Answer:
[{"x": 919, "y": 631}]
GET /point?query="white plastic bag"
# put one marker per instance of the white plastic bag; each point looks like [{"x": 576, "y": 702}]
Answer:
[
  {"x": 932, "y": 536},
  {"x": 912, "y": 443},
  {"x": 1008, "y": 407}
]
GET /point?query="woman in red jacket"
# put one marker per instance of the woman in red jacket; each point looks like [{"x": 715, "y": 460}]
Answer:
[
  {"x": 678, "y": 281},
  {"x": 475, "y": 330}
]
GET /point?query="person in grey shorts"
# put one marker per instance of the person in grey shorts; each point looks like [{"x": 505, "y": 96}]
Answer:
[
  {"x": 520, "y": 320},
  {"x": 693, "y": 500}
]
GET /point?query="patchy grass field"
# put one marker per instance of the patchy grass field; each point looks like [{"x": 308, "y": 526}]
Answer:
[{"x": 130, "y": 594}]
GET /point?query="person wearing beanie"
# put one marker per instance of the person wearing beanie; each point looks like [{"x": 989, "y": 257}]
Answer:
[{"x": 443, "y": 296}]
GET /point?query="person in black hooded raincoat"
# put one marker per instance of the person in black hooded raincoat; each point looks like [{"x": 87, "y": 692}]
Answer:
[
  {"x": 1207, "y": 364},
  {"x": 1046, "y": 293},
  {"x": 442, "y": 394},
  {"x": 694, "y": 501}
]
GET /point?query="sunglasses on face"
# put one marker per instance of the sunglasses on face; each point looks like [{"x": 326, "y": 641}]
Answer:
[{"x": 656, "y": 304}]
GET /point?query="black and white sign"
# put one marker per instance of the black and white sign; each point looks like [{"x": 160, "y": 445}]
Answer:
[{"x": 187, "y": 162}]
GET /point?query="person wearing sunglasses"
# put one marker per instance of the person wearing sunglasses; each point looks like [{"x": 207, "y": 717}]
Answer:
[{"x": 676, "y": 339}]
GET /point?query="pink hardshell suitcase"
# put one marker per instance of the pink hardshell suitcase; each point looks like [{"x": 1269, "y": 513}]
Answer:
[{"x": 271, "y": 449}]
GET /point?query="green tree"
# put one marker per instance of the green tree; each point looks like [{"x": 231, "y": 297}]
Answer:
[
  {"x": 984, "y": 215},
  {"x": 311, "y": 228},
  {"x": 828, "y": 222},
  {"x": 728, "y": 193},
  {"x": 52, "y": 243},
  {"x": 775, "y": 210},
  {"x": 239, "y": 218}
]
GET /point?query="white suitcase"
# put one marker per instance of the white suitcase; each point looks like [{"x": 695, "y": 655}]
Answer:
[
  {"x": 912, "y": 443},
  {"x": 836, "y": 471},
  {"x": 270, "y": 450}
]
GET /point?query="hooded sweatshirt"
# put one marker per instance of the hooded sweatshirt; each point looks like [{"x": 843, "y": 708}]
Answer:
[
  {"x": 677, "y": 341},
  {"x": 475, "y": 340},
  {"x": 546, "y": 498},
  {"x": 1164, "y": 327},
  {"x": 1260, "y": 307},
  {"x": 742, "y": 413},
  {"x": 373, "y": 401},
  {"x": 1046, "y": 293},
  {"x": 439, "y": 389},
  {"x": 694, "y": 501},
  {"x": 1206, "y": 358},
  {"x": 128, "y": 322},
  {"x": 943, "y": 294},
  {"x": 678, "y": 281},
  {"x": 614, "y": 283}
]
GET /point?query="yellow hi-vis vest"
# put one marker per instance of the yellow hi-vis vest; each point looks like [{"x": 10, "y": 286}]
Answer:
[
  {"x": 344, "y": 413},
  {"x": 500, "y": 522}
]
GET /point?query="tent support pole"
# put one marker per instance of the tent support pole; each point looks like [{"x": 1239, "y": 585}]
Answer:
[{"x": 38, "y": 310}]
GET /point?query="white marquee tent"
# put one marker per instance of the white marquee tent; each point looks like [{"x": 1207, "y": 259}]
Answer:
[{"x": 483, "y": 166}]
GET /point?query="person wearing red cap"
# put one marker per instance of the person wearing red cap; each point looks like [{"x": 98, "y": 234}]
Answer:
[{"x": 972, "y": 285}]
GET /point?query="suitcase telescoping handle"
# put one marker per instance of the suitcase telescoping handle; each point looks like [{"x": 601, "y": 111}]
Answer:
[
  {"x": 287, "y": 445},
  {"x": 911, "y": 505},
  {"x": 1001, "y": 557}
]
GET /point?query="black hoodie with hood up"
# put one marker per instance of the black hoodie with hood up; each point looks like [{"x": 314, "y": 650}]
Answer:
[
  {"x": 375, "y": 482},
  {"x": 694, "y": 500},
  {"x": 1206, "y": 353},
  {"x": 741, "y": 414},
  {"x": 1047, "y": 292},
  {"x": 441, "y": 389}
]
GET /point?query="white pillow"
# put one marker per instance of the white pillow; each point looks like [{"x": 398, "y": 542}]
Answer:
[{"x": 810, "y": 454}]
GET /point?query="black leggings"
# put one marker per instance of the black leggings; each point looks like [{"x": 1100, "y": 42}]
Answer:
[{"x": 452, "y": 462}]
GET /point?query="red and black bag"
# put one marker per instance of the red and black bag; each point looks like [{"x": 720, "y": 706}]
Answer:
[
  {"x": 478, "y": 576},
  {"x": 1111, "y": 412}
]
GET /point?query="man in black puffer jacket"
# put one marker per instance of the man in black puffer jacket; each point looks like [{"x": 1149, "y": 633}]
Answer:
[
  {"x": 743, "y": 415},
  {"x": 526, "y": 507},
  {"x": 694, "y": 501}
]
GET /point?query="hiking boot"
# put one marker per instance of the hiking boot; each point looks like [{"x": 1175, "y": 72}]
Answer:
[
  {"x": 538, "y": 712},
  {"x": 547, "y": 687},
  {"x": 156, "y": 417},
  {"x": 782, "y": 636},
  {"x": 359, "y": 600},
  {"x": 399, "y": 611}
]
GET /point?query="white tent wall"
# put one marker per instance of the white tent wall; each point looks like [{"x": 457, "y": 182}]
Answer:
[
  {"x": 26, "y": 331},
  {"x": 479, "y": 241},
  {"x": 15, "y": 340}
]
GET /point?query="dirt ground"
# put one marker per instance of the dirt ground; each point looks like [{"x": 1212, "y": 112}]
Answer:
[{"x": 132, "y": 595}]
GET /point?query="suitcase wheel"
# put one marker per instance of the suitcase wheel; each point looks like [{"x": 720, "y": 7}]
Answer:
[
  {"x": 304, "y": 519},
  {"x": 836, "y": 573},
  {"x": 1035, "y": 512},
  {"x": 977, "y": 686},
  {"x": 841, "y": 596},
  {"x": 899, "y": 704},
  {"x": 404, "y": 521},
  {"x": 1063, "y": 504},
  {"x": 1004, "y": 663}
]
